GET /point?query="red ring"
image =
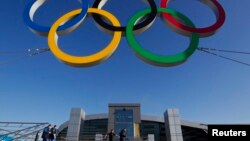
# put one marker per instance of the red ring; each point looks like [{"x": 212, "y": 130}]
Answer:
[{"x": 203, "y": 32}]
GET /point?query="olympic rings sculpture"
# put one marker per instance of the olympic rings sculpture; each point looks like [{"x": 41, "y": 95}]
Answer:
[{"x": 73, "y": 19}]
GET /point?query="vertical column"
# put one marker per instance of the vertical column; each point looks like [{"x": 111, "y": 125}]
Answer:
[
  {"x": 173, "y": 125},
  {"x": 111, "y": 118},
  {"x": 76, "y": 116}
]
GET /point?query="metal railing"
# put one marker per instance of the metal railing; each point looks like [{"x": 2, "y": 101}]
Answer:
[{"x": 21, "y": 131}]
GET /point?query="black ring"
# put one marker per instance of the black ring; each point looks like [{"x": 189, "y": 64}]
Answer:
[{"x": 138, "y": 28}]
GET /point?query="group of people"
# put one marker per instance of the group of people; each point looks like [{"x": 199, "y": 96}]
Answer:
[
  {"x": 122, "y": 135},
  {"x": 49, "y": 133}
]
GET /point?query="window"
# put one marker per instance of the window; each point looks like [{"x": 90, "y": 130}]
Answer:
[{"x": 124, "y": 118}]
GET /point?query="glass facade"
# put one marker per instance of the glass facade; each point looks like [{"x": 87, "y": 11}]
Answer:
[
  {"x": 62, "y": 135},
  {"x": 155, "y": 128},
  {"x": 90, "y": 128},
  {"x": 124, "y": 119},
  {"x": 193, "y": 134}
]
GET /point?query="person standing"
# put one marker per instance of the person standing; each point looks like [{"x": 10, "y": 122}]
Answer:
[
  {"x": 52, "y": 134},
  {"x": 123, "y": 134},
  {"x": 111, "y": 135},
  {"x": 45, "y": 135}
]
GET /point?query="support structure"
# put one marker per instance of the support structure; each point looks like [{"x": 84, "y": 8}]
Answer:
[
  {"x": 173, "y": 125},
  {"x": 77, "y": 115},
  {"x": 21, "y": 130}
]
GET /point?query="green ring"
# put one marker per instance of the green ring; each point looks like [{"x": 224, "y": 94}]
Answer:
[{"x": 155, "y": 59}]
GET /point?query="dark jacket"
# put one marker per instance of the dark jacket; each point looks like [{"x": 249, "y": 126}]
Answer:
[
  {"x": 52, "y": 133},
  {"x": 45, "y": 134},
  {"x": 111, "y": 136},
  {"x": 122, "y": 135}
]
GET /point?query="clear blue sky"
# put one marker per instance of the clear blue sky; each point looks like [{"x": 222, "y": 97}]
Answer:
[{"x": 205, "y": 88}]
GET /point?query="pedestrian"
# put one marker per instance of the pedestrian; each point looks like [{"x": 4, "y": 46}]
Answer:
[
  {"x": 45, "y": 135},
  {"x": 111, "y": 135},
  {"x": 123, "y": 134},
  {"x": 52, "y": 134}
]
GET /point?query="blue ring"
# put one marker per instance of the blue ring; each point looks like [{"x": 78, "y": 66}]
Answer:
[{"x": 45, "y": 29}]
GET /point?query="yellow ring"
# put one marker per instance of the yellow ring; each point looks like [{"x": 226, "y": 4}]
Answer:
[{"x": 84, "y": 61}]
